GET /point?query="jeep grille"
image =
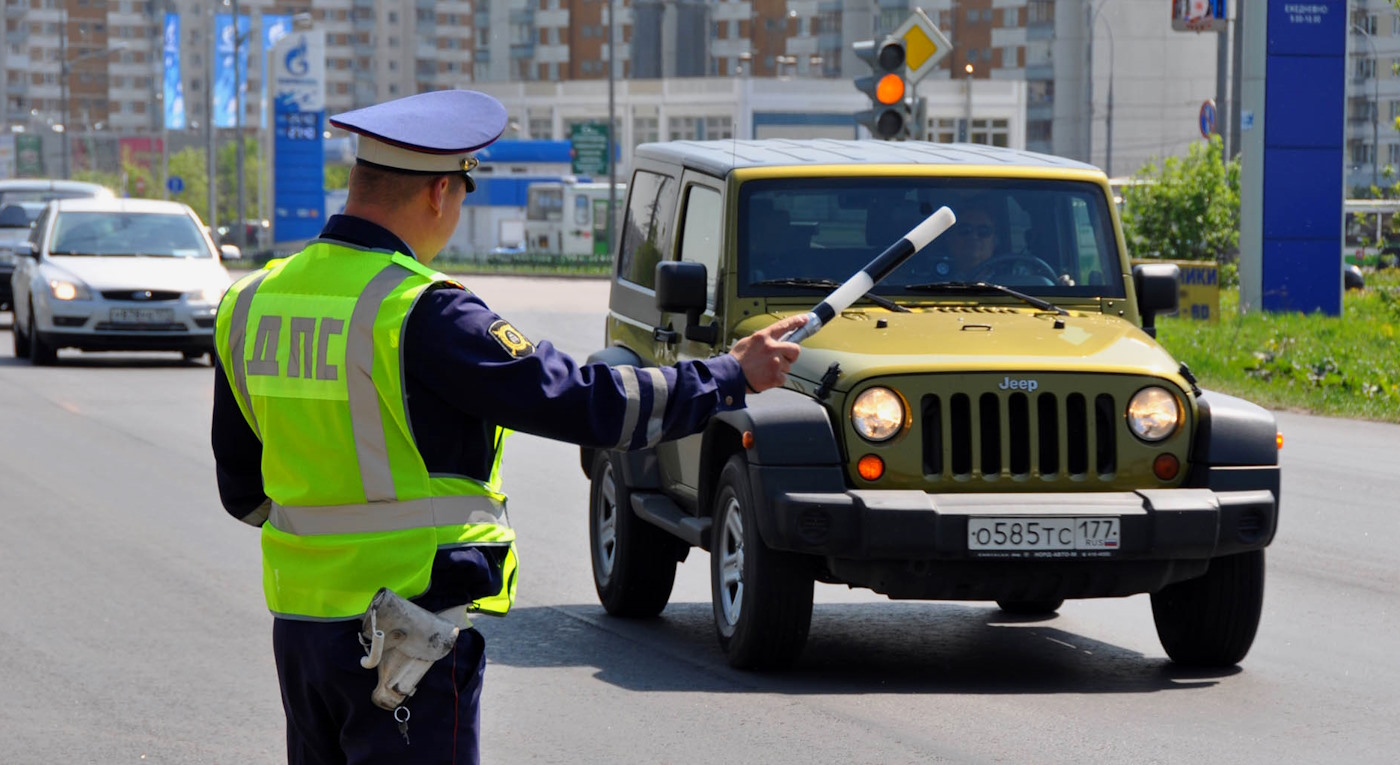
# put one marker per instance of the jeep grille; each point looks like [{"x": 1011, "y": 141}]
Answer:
[{"x": 1019, "y": 434}]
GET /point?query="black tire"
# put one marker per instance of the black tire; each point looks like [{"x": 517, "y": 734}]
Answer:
[
  {"x": 1030, "y": 607},
  {"x": 1210, "y": 621},
  {"x": 762, "y": 598},
  {"x": 41, "y": 354},
  {"x": 21, "y": 339},
  {"x": 196, "y": 357},
  {"x": 634, "y": 562}
]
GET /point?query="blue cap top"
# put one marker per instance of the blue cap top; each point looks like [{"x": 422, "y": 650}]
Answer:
[{"x": 427, "y": 132}]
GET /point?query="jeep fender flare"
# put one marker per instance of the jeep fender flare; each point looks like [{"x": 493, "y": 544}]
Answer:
[
  {"x": 1232, "y": 431},
  {"x": 790, "y": 431}
]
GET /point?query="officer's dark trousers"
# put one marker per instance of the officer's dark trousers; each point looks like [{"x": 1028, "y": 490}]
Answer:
[{"x": 331, "y": 720}]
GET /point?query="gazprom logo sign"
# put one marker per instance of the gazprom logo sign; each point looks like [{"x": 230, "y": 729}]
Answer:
[{"x": 296, "y": 62}]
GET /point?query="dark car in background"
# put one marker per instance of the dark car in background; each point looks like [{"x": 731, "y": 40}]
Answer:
[{"x": 21, "y": 201}]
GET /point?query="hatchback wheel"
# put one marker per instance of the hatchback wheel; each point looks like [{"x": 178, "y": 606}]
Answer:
[
  {"x": 21, "y": 338},
  {"x": 40, "y": 353}
]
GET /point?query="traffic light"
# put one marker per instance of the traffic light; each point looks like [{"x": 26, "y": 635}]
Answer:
[{"x": 890, "y": 115}]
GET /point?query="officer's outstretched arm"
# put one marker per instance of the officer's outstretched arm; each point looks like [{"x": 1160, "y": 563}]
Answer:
[{"x": 764, "y": 358}]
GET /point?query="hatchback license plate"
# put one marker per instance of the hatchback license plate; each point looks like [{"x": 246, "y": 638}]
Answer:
[
  {"x": 1051, "y": 534},
  {"x": 143, "y": 315}
]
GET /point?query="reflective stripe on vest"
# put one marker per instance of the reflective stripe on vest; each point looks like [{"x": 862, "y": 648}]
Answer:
[
  {"x": 325, "y": 560},
  {"x": 429, "y": 512}
]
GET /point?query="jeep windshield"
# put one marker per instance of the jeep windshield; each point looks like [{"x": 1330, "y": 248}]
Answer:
[{"x": 1052, "y": 239}]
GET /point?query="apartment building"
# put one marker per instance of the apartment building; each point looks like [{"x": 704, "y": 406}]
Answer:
[
  {"x": 1071, "y": 54},
  {"x": 1372, "y": 95}
]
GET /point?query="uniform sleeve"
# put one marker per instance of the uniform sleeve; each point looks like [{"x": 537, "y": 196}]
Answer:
[
  {"x": 237, "y": 455},
  {"x": 472, "y": 357}
]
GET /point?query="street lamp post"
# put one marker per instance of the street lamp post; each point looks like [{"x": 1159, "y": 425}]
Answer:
[
  {"x": 1089, "y": 81},
  {"x": 1375, "y": 107}
]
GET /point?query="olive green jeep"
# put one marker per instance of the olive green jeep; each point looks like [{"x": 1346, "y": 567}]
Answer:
[{"x": 994, "y": 421}]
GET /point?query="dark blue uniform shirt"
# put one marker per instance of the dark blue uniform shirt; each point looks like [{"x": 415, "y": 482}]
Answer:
[{"x": 462, "y": 381}]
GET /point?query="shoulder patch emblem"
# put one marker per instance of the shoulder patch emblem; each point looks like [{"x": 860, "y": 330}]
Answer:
[{"x": 511, "y": 339}]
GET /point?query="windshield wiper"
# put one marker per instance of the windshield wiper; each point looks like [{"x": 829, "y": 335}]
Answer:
[
  {"x": 794, "y": 281},
  {"x": 1043, "y": 305}
]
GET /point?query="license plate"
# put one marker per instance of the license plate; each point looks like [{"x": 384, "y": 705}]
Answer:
[
  {"x": 143, "y": 315},
  {"x": 1049, "y": 534}
]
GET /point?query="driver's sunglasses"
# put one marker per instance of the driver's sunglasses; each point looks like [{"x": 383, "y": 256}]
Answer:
[{"x": 982, "y": 232}]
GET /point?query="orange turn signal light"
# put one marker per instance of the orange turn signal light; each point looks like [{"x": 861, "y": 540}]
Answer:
[
  {"x": 747, "y": 439},
  {"x": 890, "y": 89},
  {"x": 870, "y": 467},
  {"x": 1166, "y": 466},
  {"x": 1278, "y": 439}
]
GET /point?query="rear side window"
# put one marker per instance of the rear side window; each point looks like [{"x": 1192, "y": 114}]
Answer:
[{"x": 647, "y": 232}]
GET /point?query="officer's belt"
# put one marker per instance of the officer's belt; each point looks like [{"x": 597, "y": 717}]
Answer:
[{"x": 427, "y": 512}]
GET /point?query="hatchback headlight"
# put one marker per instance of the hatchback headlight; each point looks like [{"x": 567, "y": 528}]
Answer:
[
  {"x": 65, "y": 289},
  {"x": 1153, "y": 414},
  {"x": 206, "y": 295},
  {"x": 877, "y": 414}
]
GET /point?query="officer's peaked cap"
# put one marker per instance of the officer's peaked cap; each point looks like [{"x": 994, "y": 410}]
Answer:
[{"x": 433, "y": 132}]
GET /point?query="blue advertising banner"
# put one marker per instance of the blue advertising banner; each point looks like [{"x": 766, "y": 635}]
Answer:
[
  {"x": 297, "y": 76},
  {"x": 275, "y": 27},
  {"x": 227, "y": 71},
  {"x": 174, "y": 90}
]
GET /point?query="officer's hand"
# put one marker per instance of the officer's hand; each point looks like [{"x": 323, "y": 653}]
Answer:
[{"x": 764, "y": 358}]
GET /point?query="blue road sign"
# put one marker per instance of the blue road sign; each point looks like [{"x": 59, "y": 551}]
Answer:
[
  {"x": 1207, "y": 118},
  {"x": 175, "y": 183}
]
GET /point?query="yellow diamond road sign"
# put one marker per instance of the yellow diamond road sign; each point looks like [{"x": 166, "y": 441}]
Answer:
[{"x": 924, "y": 44}]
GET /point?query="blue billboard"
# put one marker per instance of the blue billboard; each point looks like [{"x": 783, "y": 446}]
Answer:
[{"x": 1303, "y": 143}]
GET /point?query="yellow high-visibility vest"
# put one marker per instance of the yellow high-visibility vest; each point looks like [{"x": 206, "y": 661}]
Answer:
[{"x": 312, "y": 347}]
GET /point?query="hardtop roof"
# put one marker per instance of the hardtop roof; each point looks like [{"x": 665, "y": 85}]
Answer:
[{"x": 720, "y": 157}]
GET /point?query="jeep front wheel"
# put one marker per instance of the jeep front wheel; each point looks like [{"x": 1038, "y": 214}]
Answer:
[
  {"x": 634, "y": 562},
  {"x": 762, "y": 597},
  {"x": 1210, "y": 621}
]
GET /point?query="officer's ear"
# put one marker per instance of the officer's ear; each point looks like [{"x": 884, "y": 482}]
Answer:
[{"x": 437, "y": 193}]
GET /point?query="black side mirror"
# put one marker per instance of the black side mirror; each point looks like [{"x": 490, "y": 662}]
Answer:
[
  {"x": 1158, "y": 291},
  {"x": 26, "y": 249},
  {"x": 680, "y": 288}
]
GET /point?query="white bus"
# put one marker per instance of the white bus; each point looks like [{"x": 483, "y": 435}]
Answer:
[
  {"x": 569, "y": 218},
  {"x": 1370, "y": 236}
]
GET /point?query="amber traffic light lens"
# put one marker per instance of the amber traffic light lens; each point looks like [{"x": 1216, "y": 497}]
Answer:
[{"x": 890, "y": 89}]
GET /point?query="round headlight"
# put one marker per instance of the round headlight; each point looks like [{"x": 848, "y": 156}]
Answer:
[
  {"x": 1153, "y": 414},
  {"x": 877, "y": 414}
]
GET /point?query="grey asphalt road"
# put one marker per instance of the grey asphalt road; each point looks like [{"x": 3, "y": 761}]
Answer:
[{"x": 136, "y": 632}]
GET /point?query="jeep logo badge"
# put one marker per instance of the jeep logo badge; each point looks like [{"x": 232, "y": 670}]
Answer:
[{"x": 1008, "y": 383}]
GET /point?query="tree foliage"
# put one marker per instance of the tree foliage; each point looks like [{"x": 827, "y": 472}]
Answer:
[{"x": 1186, "y": 209}]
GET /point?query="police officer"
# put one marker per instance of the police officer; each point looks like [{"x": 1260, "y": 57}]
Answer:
[{"x": 360, "y": 406}]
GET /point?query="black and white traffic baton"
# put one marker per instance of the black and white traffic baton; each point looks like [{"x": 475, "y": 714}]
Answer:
[{"x": 932, "y": 227}]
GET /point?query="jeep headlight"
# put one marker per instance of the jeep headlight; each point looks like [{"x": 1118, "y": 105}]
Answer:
[
  {"x": 877, "y": 414},
  {"x": 1153, "y": 414}
]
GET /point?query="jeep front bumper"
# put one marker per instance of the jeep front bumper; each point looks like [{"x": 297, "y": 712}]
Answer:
[{"x": 1157, "y": 524}]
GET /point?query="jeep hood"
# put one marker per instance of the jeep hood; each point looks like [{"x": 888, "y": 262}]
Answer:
[{"x": 974, "y": 339}]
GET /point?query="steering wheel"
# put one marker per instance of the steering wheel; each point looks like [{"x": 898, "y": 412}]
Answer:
[{"x": 1013, "y": 269}]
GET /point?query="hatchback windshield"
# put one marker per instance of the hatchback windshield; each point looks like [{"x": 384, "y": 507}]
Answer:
[
  {"x": 32, "y": 201},
  {"x": 1052, "y": 238},
  {"x": 127, "y": 234}
]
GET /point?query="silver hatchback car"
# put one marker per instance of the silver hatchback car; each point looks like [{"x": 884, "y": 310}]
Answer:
[{"x": 116, "y": 275}]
